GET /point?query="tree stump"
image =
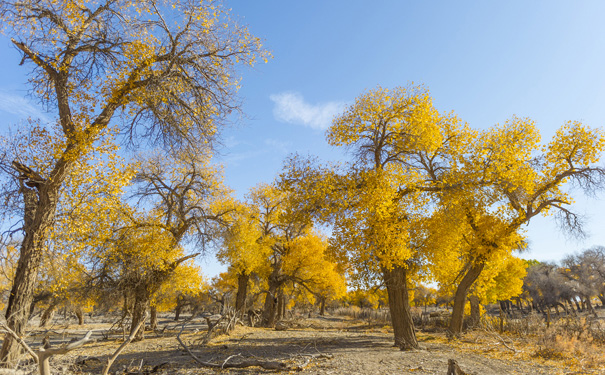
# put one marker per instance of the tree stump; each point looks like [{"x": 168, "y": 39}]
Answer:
[{"x": 453, "y": 368}]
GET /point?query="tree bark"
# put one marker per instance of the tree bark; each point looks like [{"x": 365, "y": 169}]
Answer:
[
  {"x": 79, "y": 314},
  {"x": 141, "y": 302},
  {"x": 153, "y": 318},
  {"x": 475, "y": 311},
  {"x": 589, "y": 307},
  {"x": 180, "y": 302},
  {"x": 242, "y": 293},
  {"x": 269, "y": 309},
  {"x": 48, "y": 314},
  {"x": 39, "y": 213},
  {"x": 399, "y": 306},
  {"x": 322, "y": 306},
  {"x": 460, "y": 297}
]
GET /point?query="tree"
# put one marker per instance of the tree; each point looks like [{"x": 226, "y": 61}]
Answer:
[
  {"x": 514, "y": 179},
  {"x": 243, "y": 249},
  {"x": 588, "y": 269},
  {"x": 400, "y": 146},
  {"x": 180, "y": 201},
  {"x": 169, "y": 71}
]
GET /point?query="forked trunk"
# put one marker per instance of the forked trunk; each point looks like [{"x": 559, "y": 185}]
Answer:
[
  {"x": 242, "y": 292},
  {"x": 399, "y": 306},
  {"x": 460, "y": 297}
]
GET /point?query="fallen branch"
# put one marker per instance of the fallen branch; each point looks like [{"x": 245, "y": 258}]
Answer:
[
  {"x": 126, "y": 342},
  {"x": 501, "y": 340},
  {"x": 44, "y": 354},
  {"x": 267, "y": 365}
]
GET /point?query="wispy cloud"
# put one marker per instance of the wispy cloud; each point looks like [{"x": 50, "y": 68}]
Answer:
[
  {"x": 19, "y": 106},
  {"x": 291, "y": 107},
  {"x": 280, "y": 146}
]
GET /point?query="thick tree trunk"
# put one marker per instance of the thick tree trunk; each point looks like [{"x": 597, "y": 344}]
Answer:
[
  {"x": 242, "y": 292},
  {"x": 153, "y": 318},
  {"x": 280, "y": 305},
  {"x": 460, "y": 297},
  {"x": 322, "y": 306},
  {"x": 399, "y": 306},
  {"x": 141, "y": 302},
  {"x": 269, "y": 309},
  {"x": 38, "y": 217}
]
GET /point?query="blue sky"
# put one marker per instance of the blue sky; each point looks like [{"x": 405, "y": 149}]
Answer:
[{"x": 486, "y": 61}]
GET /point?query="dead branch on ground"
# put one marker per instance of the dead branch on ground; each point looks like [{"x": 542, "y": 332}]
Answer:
[{"x": 126, "y": 342}]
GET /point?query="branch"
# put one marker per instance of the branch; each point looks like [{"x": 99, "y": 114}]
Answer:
[
  {"x": 20, "y": 341},
  {"x": 44, "y": 354},
  {"x": 128, "y": 341}
]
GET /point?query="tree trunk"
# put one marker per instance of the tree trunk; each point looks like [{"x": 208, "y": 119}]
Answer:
[
  {"x": 141, "y": 302},
  {"x": 399, "y": 306},
  {"x": 79, "y": 314},
  {"x": 501, "y": 319},
  {"x": 48, "y": 314},
  {"x": 280, "y": 305},
  {"x": 570, "y": 305},
  {"x": 590, "y": 308},
  {"x": 242, "y": 293},
  {"x": 153, "y": 318},
  {"x": 578, "y": 305},
  {"x": 38, "y": 217},
  {"x": 460, "y": 297},
  {"x": 322, "y": 306},
  {"x": 180, "y": 301},
  {"x": 269, "y": 309},
  {"x": 475, "y": 312}
]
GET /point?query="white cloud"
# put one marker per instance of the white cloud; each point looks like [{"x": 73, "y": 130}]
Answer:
[
  {"x": 291, "y": 107},
  {"x": 19, "y": 106}
]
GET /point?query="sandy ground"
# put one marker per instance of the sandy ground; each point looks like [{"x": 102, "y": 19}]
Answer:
[{"x": 319, "y": 345}]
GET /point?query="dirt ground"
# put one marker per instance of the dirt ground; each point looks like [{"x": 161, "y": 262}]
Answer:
[{"x": 318, "y": 345}]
